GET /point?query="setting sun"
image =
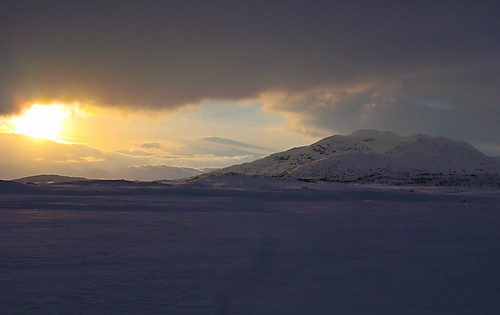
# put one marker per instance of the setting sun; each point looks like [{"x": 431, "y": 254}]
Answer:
[{"x": 41, "y": 121}]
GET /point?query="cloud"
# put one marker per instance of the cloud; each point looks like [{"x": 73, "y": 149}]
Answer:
[
  {"x": 166, "y": 54},
  {"x": 235, "y": 144},
  {"x": 135, "y": 153},
  {"x": 25, "y": 156},
  {"x": 332, "y": 66},
  {"x": 207, "y": 146},
  {"x": 150, "y": 145},
  {"x": 221, "y": 147},
  {"x": 433, "y": 103}
]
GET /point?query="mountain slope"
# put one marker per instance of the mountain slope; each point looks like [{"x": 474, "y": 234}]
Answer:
[{"x": 375, "y": 156}]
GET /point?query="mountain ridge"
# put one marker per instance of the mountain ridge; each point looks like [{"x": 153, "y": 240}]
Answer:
[
  {"x": 47, "y": 179},
  {"x": 132, "y": 173},
  {"x": 378, "y": 157}
]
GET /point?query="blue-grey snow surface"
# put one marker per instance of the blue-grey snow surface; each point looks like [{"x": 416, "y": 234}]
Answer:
[{"x": 243, "y": 245}]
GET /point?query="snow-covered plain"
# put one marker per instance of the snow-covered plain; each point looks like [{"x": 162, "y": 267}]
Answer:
[{"x": 240, "y": 244}]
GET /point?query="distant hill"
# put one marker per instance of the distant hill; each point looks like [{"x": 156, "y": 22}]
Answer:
[
  {"x": 157, "y": 172},
  {"x": 47, "y": 179},
  {"x": 49, "y": 157},
  {"x": 143, "y": 173},
  {"x": 370, "y": 156}
]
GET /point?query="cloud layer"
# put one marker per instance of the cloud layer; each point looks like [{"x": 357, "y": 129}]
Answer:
[
  {"x": 440, "y": 104},
  {"x": 424, "y": 58},
  {"x": 25, "y": 156},
  {"x": 167, "y": 54}
]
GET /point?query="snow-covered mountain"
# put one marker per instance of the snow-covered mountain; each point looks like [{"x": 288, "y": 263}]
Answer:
[{"x": 379, "y": 156}]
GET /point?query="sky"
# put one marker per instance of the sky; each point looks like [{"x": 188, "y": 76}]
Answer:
[{"x": 214, "y": 83}]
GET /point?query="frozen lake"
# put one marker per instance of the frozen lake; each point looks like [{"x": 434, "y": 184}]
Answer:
[{"x": 250, "y": 248}]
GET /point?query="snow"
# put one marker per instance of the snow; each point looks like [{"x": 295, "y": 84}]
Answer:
[
  {"x": 383, "y": 157},
  {"x": 234, "y": 244},
  {"x": 282, "y": 235}
]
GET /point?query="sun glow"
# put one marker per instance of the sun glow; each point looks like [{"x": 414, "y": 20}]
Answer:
[{"x": 41, "y": 121}]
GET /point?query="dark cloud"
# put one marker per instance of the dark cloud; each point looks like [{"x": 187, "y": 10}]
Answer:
[
  {"x": 422, "y": 104},
  {"x": 207, "y": 146},
  {"x": 150, "y": 145},
  {"x": 135, "y": 153},
  {"x": 419, "y": 66},
  {"x": 218, "y": 149},
  {"x": 235, "y": 144},
  {"x": 164, "y": 54}
]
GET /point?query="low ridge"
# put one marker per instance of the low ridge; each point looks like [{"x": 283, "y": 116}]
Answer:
[{"x": 47, "y": 179}]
